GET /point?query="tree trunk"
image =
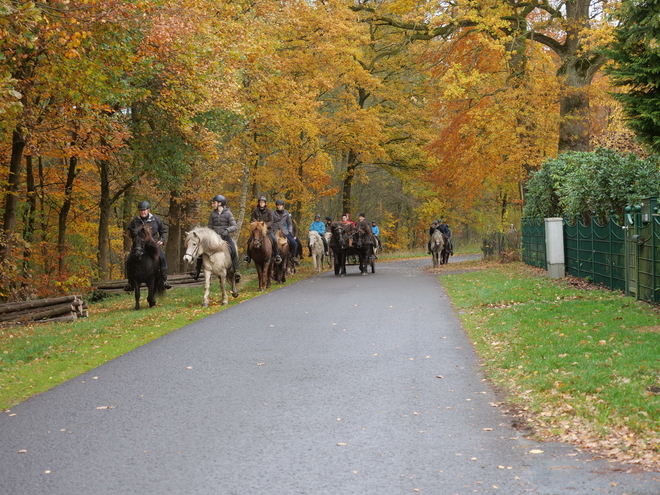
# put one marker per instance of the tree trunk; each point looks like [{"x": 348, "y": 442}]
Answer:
[
  {"x": 104, "y": 221},
  {"x": 13, "y": 185},
  {"x": 28, "y": 231},
  {"x": 174, "y": 237},
  {"x": 64, "y": 213},
  {"x": 351, "y": 166},
  {"x": 242, "y": 206},
  {"x": 575, "y": 124}
]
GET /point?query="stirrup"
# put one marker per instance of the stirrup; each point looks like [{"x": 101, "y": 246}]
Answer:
[
  {"x": 237, "y": 277},
  {"x": 278, "y": 259},
  {"x": 247, "y": 259},
  {"x": 167, "y": 285},
  {"x": 128, "y": 288}
]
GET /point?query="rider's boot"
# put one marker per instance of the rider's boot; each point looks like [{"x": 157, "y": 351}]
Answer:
[
  {"x": 198, "y": 269},
  {"x": 237, "y": 276},
  {"x": 128, "y": 287},
  {"x": 166, "y": 284}
]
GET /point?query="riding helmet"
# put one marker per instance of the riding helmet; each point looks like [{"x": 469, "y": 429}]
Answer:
[
  {"x": 262, "y": 198},
  {"x": 279, "y": 202},
  {"x": 143, "y": 205},
  {"x": 328, "y": 219},
  {"x": 362, "y": 215},
  {"x": 220, "y": 199},
  {"x": 317, "y": 217}
]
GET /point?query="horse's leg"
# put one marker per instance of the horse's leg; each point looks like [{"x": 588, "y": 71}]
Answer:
[
  {"x": 207, "y": 287},
  {"x": 136, "y": 289},
  {"x": 234, "y": 290},
  {"x": 223, "y": 287},
  {"x": 151, "y": 292},
  {"x": 268, "y": 272}
]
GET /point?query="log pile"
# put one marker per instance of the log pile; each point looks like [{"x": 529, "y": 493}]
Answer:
[
  {"x": 66, "y": 308},
  {"x": 180, "y": 280}
]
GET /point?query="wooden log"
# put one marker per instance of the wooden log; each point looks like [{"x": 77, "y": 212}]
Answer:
[
  {"x": 37, "y": 303},
  {"x": 40, "y": 313},
  {"x": 55, "y": 319}
]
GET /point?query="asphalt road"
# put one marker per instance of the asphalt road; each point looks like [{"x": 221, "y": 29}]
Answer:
[{"x": 359, "y": 385}]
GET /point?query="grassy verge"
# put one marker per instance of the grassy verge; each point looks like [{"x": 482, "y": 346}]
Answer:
[
  {"x": 35, "y": 358},
  {"x": 581, "y": 364}
]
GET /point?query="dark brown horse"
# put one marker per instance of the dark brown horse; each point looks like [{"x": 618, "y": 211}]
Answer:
[
  {"x": 143, "y": 265},
  {"x": 261, "y": 251},
  {"x": 280, "y": 269},
  {"x": 338, "y": 244}
]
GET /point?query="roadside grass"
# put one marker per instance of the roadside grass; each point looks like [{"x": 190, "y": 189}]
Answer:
[
  {"x": 35, "y": 358},
  {"x": 579, "y": 363}
]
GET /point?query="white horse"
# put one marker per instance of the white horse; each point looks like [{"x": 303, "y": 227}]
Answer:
[
  {"x": 331, "y": 256},
  {"x": 437, "y": 245},
  {"x": 216, "y": 260},
  {"x": 317, "y": 249}
]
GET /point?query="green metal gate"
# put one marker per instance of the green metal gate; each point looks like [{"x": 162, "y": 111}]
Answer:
[
  {"x": 643, "y": 251},
  {"x": 533, "y": 242},
  {"x": 596, "y": 253}
]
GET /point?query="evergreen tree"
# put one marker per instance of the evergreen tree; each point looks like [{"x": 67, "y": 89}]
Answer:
[{"x": 636, "y": 67}]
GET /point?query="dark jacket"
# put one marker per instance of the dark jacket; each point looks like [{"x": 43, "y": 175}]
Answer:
[
  {"x": 158, "y": 228},
  {"x": 219, "y": 222},
  {"x": 265, "y": 215}
]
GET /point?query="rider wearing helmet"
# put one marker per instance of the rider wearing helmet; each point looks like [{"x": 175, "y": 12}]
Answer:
[
  {"x": 158, "y": 232},
  {"x": 221, "y": 220},
  {"x": 319, "y": 226},
  {"x": 263, "y": 214},
  {"x": 283, "y": 222}
]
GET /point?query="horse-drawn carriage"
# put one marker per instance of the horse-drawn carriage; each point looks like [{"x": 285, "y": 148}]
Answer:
[{"x": 353, "y": 245}]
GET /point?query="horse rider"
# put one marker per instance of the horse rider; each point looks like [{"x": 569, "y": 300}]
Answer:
[
  {"x": 376, "y": 232},
  {"x": 158, "y": 232},
  {"x": 434, "y": 226},
  {"x": 444, "y": 228},
  {"x": 319, "y": 226},
  {"x": 222, "y": 222},
  {"x": 328, "y": 223},
  {"x": 283, "y": 222},
  {"x": 263, "y": 214}
]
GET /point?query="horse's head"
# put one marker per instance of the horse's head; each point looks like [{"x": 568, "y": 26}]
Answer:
[
  {"x": 193, "y": 243},
  {"x": 141, "y": 238},
  {"x": 338, "y": 234},
  {"x": 258, "y": 231},
  {"x": 314, "y": 237}
]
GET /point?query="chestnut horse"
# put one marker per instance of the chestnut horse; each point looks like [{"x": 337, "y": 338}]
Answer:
[
  {"x": 280, "y": 269},
  {"x": 260, "y": 249}
]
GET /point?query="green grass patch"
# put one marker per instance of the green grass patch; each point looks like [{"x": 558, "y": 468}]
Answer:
[
  {"x": 584, "y": 360},
  {"x": 35, "y": 358}
]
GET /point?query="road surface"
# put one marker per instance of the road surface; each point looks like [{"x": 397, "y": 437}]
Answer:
[{"x": 360, "y": 385}]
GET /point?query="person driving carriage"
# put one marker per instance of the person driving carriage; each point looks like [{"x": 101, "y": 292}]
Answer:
[
  {"x": 282, "y": 221},
  {"x": 158, "y": 232},
  {"x": 263, "y": 214},
  {"x": 221, "y": 220},
  {"x": 319, "y": 226}
]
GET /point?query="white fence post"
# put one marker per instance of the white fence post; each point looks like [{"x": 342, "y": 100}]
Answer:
[{"x": 554, "y": 247}]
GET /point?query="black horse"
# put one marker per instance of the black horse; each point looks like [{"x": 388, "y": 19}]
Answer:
[
  {"x": 338, "y": 243},
  {"x": 143, "y": 265},
  {"x": 352, "y": 241}
]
